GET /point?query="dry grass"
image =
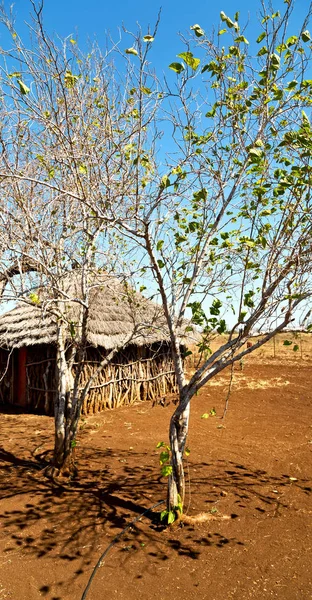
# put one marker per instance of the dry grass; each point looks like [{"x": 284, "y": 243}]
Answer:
[
  {"x": 241, "y": 382},
  {"x": 273, "y": 349}
]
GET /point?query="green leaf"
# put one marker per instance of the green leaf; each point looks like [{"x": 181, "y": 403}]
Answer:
[
  {"x": 15, "y": 74},
  {"x": 296, "y": 348},
  {"x": 255, "y": 153},
  {"x": 199, "y": 32},
  {"x": 177, "y": 67},
  {"x": 70, "y": 79},
  {"x": 23, "y": 88},
  {"x": 213, "y": 412},
  {"x": 165, "y": 182},
  {"x": 164, "y": 457},
  {"x": 205, "y": 416},
  {"x": 263, "y": 51},
  {"x": 187, "y": 451},
  {"x": 176, "y": 170},
  {"x": 222, "y": 31},
  {"x": 190, "y": 60},
  {"x": 216, "y": 305},
  {"x": 163, "y": 515},
  {"x": 131, "y": 51},
  {"x": 179, "y": 506},
  {"x": 148, "y": 38},
  {"x": 261, "y": 37},
  {"x": 292, "y": 40},
  {"x": 166, "y": 470},
  {"x": 146, "y": 90},
  {"x": 221, "y": 327},
  {"x": 248, "y": 301},
  {"x": 275, "y": 61},
  {"x": 159, "y": 245},
  {"x": 287, "y": 343},
  {"x": 305, "y": 119},
  {"x": 161, "y": 264},
  {"x": 292, "y": 84},
  {"x": 233, "y": 50},
  {"x": 161, "y": 445},
  {"x": 34, "y": 298},
  {"x": 212, "y": 112},
  {"x": 241, "y": 38},
  {"x": 228, "y": 21},
  {"x": 72, "y": 41},
  {"x": 171, "y": 517},
  {"x": 305, "y": 36},
  {"x": 83, "y": 169},
  {"x": 200, "y": 195}
]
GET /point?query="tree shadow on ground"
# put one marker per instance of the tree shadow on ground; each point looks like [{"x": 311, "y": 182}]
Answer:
[
  {"x": 75, "y": 520},
  {"x": 248, "y": 487}
]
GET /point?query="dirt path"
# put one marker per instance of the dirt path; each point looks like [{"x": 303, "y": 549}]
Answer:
[{"x": 255, "y": 466}]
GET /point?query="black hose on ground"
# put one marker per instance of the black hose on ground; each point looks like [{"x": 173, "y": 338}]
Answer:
[{"x": 114, "y": 541}]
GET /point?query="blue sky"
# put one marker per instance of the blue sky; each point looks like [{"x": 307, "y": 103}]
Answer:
[{"x": 95, "y": 17}]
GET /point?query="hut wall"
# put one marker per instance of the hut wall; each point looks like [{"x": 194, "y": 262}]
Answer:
[
  {"x": 41, "y": 378},
  {"x": 6, "y": 377},
  {"x": 27, "y": 377},
  {"x": 20, "y": 382},
  {"x": 135, "y": 374}
]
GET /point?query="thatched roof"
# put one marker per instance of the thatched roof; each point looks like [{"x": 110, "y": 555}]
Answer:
[{"x": 114, "y": 312}]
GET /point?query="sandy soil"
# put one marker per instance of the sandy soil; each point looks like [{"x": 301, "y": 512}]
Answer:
[{"x": 254, "y": 465}]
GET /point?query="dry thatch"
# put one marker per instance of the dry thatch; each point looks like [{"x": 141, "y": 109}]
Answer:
[{"x": 115, "y": 311}]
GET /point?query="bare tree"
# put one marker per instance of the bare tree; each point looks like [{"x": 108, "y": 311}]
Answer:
[
  {"x": 58, "y": 269},
  {"x": 70, "y": 131}
]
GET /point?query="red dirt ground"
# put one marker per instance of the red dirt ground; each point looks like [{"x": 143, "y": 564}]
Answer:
[{"x": 254, "y": 465}]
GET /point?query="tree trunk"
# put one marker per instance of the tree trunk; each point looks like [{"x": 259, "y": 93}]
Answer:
[
  {"x": 63, "y": 463},
  {"x": 177, "y": 434},
  {"x": 65, "y": 436}
]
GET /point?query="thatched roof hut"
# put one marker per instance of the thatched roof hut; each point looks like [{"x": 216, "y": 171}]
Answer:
[
  {"x": 114, "y": 311},
  {"x": 142, "y": 369}
]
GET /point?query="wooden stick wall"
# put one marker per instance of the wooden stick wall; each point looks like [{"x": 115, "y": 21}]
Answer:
[
  {"x": 136, "y": 374},
  {"x": 128, "y": 380}
]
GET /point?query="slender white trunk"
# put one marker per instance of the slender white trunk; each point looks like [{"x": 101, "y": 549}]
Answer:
[
  {"x": 62, "y": 411},
  {"x": 178, "y": 434}
]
